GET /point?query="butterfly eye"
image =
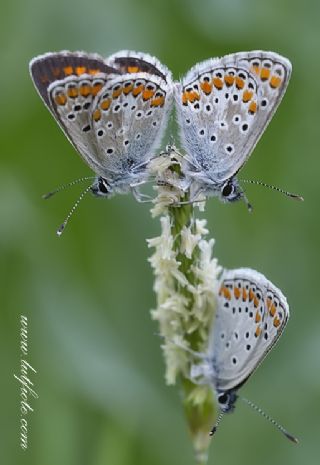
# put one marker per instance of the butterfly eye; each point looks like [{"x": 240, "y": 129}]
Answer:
[
  {"x": 227, "y": 190},
  {"x": 231, "y": 191},
  {"x": 223, "y": 398},
  {"x": 227, "y": 400},
  {"x": 102, "y": 186}
]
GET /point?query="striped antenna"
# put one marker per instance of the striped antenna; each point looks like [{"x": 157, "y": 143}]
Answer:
[
  {"x": 276, "y": 424},
  {"x": 278, "y": 189},
  {"x": 76, "y": 204},
  {"x": 246, "y": 201},
  {"x": 64, "y": 186},
  {"x": 214, "y": 429}
]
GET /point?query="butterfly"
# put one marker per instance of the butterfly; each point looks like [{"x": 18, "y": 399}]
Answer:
[
  {"x": 114, "y": 111},
  {"x": 223, "y": 106},
  {"x": 250, "y": 317}
]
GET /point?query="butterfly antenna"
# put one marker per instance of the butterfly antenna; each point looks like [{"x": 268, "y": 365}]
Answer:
[
  {"x": 265, "y": 415},
  {"x": 76, "y": 204},
  {"x": 214, "y": 429},
  {"x": 278, "y": 189},
  {"x": 246, "y": 201},
  {"x": 64, "y": 186}
]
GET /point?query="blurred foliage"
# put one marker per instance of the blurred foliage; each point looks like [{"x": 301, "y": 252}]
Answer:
[{"x": 102, "y": 398}]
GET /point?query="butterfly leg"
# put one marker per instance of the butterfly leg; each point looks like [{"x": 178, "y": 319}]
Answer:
[{"x": 141, "y": 198}]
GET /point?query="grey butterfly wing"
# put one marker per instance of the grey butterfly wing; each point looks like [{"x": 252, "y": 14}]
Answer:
[
  {"x": 225, "y": 104},
  {"x": 130, "y": 62},
  {"x": 68, "y": 83},
  {"x": 250, "y": 317},
  {"x": 129, "y": 117}
]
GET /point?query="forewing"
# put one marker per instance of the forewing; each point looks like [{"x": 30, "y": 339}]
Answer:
[
  {"x": 225, "y": 104},
  {"x": 68, "y": 84},
  {"x": 251, "y": 316},
  {"x": 127, "y": 61}
]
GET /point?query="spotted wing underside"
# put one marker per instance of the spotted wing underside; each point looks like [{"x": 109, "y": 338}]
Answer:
[
  {"x": 113, "y": 111},
  {"x": 225, "y": 104},
  {"x": 251, "y": 316},
  {"x": 68, "y": 84},
  {"x": 129, "y": 118}
]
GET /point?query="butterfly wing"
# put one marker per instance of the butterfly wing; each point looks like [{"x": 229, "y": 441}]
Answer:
[
  {"x": 250, "y": 318},
  {"x": 113, "y": 111},
  {"x": 224, "y": 105},
  {"x": 68, "y": 84},
  {"x": 129, "y": 118},
  {"x": 127, "y": 61}
]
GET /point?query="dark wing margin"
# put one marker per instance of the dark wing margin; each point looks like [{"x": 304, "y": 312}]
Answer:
[{"x": 51, "y": 67}]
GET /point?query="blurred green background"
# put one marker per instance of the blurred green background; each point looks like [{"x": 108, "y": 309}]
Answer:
[{"x": 102, "y": 398}]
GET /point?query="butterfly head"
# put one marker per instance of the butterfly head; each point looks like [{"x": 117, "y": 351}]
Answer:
[
  {"x": 227, "y": 400},
  {"x": 231, "y": 191},
  {"x": 101, "y": 187}
]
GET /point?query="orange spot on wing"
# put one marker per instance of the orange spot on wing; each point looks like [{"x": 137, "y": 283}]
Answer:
[
  {"x": 158, "y": 101},
  {"x": 276, "y": 322},
  {"x": 44, "y": 79},
  {"x": 251, "y": 295},
  {"x": 265, "y": 74},
  {"x": 117, "y": 92},
  {"x": 133, "y": 69},
  {"x": 147, "y": 94},
  {"x": 68, "y": 70},
  {"x": 225, "y": 292},
  {"x": 60, "y": 99},
  {"x": 244, "y": 294},
  {"x": 96, "y": 115},
  {"x": 272, "y": 310},
  {"x": 56, "y": 72},
  {"x": 73, "y": 92},
  {"x": 137, "y": 90},
  {"x": 96, "y": 88},
  {"x": 206, "y": 87},
  {"x": 185, "y": 98},
  {"x": 236, "y": 292},
  {"x": 93, "y": 71},
  {"x": 218, "y": 83},
  {"x": 105, "y": 104},
  {"x": 229, "y": 80},
  {"x": 258, "y": 317},
  {"x": 85, "y": 90},
  {"x": 255, "y": 69},
  {"x": 127, "y": 89},
  {"x": 239, "y": 83},
  {"x": 193, "y": 96},
  {"x": 247, "y": 95},
  {"x": 80, "y": 70},
  {"x": 258, "y": 331},
  {"x": 253, "y": 107},
  {"x": 256, "y": 301},
  {"x": 275, "y": 82}
]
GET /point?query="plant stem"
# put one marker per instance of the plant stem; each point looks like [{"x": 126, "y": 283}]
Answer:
[
  {"x": 186, "y": 280},
  {"x": 200, "y": 417}
]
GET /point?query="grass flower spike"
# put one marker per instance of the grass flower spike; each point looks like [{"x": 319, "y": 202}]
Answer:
[{"x": 186, "y": 281}]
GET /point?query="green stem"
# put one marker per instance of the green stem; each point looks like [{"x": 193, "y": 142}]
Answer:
[{"x": 200, "y": 418}]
